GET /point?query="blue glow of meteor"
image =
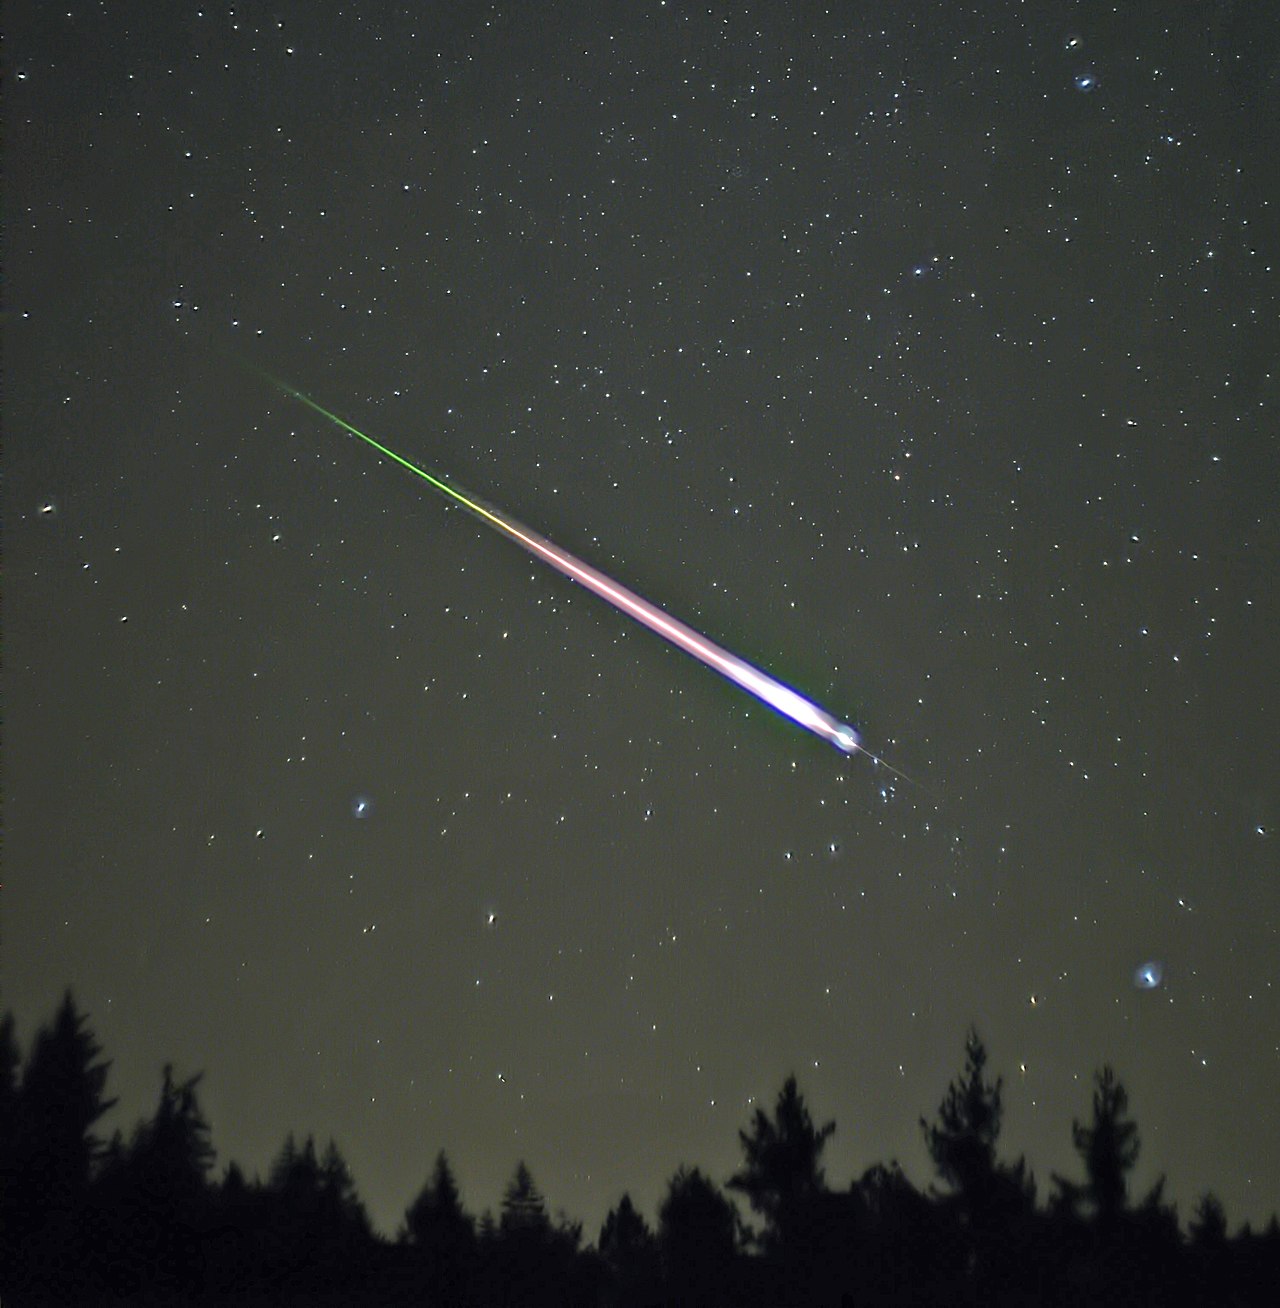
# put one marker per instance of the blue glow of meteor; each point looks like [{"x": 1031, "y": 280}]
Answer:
[{"x": 782, "y": 699}]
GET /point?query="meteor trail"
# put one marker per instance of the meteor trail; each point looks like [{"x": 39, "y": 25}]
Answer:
[{"x": 765, "y": 688}]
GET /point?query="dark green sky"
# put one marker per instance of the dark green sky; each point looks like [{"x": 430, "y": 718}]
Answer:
[{"x": 859, "y": 337}]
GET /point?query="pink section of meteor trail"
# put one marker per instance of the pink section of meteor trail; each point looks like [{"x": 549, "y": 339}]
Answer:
[{"x": 764, "y": 687}]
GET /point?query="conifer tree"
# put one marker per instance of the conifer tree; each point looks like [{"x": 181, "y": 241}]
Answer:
[
  {"x": 437, "y": 1211},
  {"x": 53, "y": 1153},
  {"x": 523, "y": 1208},
  {"x": 1109, "y": 1147},
  {"x": 781, "y": 1173}
]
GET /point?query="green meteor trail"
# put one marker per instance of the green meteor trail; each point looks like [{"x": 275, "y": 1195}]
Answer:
[{"x": 452, "y": 492}]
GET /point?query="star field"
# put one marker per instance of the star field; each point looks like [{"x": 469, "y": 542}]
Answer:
[{"x": 924, "y": 356}]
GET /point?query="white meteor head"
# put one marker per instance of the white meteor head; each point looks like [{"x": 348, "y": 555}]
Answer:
[{"x": 846, "y": 738}]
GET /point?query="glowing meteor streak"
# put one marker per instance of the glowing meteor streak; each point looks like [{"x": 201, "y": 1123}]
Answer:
[{"x": 765, "y": 688}]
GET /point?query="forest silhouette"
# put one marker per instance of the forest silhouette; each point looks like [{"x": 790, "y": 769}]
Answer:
[{"x": 144, "y": 1220}]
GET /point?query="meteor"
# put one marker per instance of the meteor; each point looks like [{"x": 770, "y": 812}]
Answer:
[{"x": 782, "y": 699}]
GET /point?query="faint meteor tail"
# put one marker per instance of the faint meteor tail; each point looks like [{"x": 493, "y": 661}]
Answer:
[{"x": 782, "y": 699}]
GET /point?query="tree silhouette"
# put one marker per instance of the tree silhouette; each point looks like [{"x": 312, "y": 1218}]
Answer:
[
  {"x": 698, "y": 1238},
  {"x": 991, "y": 1202},
  {"x": 442, "y": 1235},
  {"x": 1208, "y": 1225},
  {"x": 630, "y": 1253},
  {"x": 781, "y": 1174},
  {"x": 62, "y": 1098},
  {"x": 10, "y": 1059},
  {"x": 151, "y": 1200},
  {"x": 140, "y": 1225},
  {"x": 523, "y": 1208},
  {"x": 323, "y": 1187},
  {"x": 1210, "y": 1252},
  {"x": 906, "y": 1246},
  {"x": 10, "y": 1134},
  {"x": 437, "y": 1207},
  {"x": 173, "y": 1149},
  {"x": 624, "y": 1230},
  {"x": 338, "y": 1191},
  {"x": 1122, "y": 1253},
  {"x": 962, "y": 1143},
  {"x": 54, "y": 1151},
  {"x": 318, "y": 1231},
  {"x": 531, "y": 1262},
  {"x": 1109, "y": 1148}
]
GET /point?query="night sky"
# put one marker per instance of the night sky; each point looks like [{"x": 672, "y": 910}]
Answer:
[{"x": 922, "y": 354}]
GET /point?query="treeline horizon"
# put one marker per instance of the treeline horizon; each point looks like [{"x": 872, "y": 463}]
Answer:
[{"x": 144, "y": 1221}]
